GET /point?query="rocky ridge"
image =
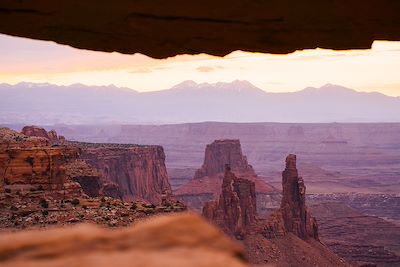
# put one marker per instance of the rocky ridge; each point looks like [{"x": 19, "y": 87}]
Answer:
[{"x": 268, "y": 240}]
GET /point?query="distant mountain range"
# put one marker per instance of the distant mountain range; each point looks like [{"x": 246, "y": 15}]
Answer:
[{"x": 238, "y": 101}]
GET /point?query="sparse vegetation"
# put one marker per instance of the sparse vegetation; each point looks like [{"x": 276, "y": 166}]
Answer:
[
  {"x": 75, "y": 202},
  {"x": 149, "y": 206},
  {"x": 29, "y": 160},
  {"x": 134, "y": 206},
  {"x": 44, "y": 204}
]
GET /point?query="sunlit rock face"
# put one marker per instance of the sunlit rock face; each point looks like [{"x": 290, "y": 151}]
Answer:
[
  {"x": 30, "y": 163},
  {"x": 216, "y": 28}
]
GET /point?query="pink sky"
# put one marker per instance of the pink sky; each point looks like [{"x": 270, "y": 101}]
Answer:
[{"x": 377, "y": 69}]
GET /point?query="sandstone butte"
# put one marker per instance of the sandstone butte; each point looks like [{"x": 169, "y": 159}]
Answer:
[
  {"x": 170, "y": 241},
  {"x": 207, "y": 181},
  {"x": 269, "y": 240}
]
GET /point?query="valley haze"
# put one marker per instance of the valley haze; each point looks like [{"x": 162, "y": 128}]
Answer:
[{"x": 238, "y": 101}]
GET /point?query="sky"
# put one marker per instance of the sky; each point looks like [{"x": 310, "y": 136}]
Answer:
[{"x": 377, "y": 69}]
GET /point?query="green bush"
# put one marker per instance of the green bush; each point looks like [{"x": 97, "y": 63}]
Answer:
[
  {"x": 134, "y": 206},
  {"x": 75, "y": 202},
  {"x": 44, "y": 203}
]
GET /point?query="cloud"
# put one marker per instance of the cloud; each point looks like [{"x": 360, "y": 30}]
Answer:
[
  {"x": 204, "y": 69},
  {"x": 141, "y": 70}
]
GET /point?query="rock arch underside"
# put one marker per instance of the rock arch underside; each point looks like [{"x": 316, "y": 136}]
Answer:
[{"x": 162, "y": 29}]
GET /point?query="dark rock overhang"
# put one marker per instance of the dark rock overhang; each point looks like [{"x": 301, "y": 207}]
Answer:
[{"x": 162, "y": 29}]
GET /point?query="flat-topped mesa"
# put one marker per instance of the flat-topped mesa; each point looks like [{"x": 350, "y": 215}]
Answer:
[
  {"x": 235, "y": 211},
  {"x": 139, "y": 171},
  {"x": 221, "y": 152},
  {"x": 296, "y": 217}
]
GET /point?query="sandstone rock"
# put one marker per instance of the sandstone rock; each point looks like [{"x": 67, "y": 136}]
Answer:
[
  {"x": 35, "y": 131},
  {"x": 222, "y": 152},
  {"x": 210, "y": 27},
  {"x": 207, "y": 182},
  {"x": 139, "y": 171},
  {"x": 30, "y": 163},
  {"x": 41, "y": 132},
  {"x": 236, "y": 208},
  {"x": 178, "y": 240},
  {"x": 295, "y": 214},
  {"x": 86, "y": 176}
]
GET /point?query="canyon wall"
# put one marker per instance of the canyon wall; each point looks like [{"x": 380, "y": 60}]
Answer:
[
  {"x": 30, "y": 163},
  {"x": 139, "y": 171}
]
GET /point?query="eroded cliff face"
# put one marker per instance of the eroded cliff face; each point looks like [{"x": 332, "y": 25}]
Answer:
[
  {"x": 296, "y": 216},
  {"x": 235, "y": 210},
  {"x": 139, "y": 171},
  {"x": 207, "y": 182},
  {"x": 289, "y": 237},
  {"x": 29, "y": 163}
]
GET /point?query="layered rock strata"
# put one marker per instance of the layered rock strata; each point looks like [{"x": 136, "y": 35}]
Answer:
[
  {"x": 288, "y": 237},
  {"x": 207, "y": 182},
  {"x": 30, "y": 163},
  {"x": 139, "y": 171},
  {"x": 236, "y": 208}
]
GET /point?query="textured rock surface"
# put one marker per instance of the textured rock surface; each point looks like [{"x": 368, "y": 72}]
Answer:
[
  {"x": 139, "y": 171},
  {"x": 207, "y": 181},
  {"x": 236, "y": 208},
  {"x": 35, "y": 131},
  {"x": 294, "y": 211},
  {"x": 217, "y": 28},
  {"x": 30, "y": 163},
  {"x": 87, "y": 176},
  {"x": 268, "y": 240},
  {"x": 222, "y": 152},
  {"x": 41, "y": 132},
  {"x": 151, "y": 243}
]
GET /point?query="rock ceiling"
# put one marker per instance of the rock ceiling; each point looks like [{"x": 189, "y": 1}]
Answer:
[{"x": 162, "y": 29}]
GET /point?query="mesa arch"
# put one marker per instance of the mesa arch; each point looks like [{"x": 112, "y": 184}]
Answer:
[{"x": 161, "y": 30}]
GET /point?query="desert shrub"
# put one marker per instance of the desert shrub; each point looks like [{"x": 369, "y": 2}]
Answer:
[
  {"x": 7, "y": 190},
  {"x": 75, "y": 202},
  {"x": 29, "y": 160},
  {"x": 149, "y": 206},
  {"x": 44, "y": 204},
  {"x": 134, "y": 206},
  {"x": 45, "y": 212}
]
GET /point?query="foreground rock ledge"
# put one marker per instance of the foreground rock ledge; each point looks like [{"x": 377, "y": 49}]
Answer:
[
  {"x": 172, "y": 241},
  {"x": 160, "y": 29}
]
